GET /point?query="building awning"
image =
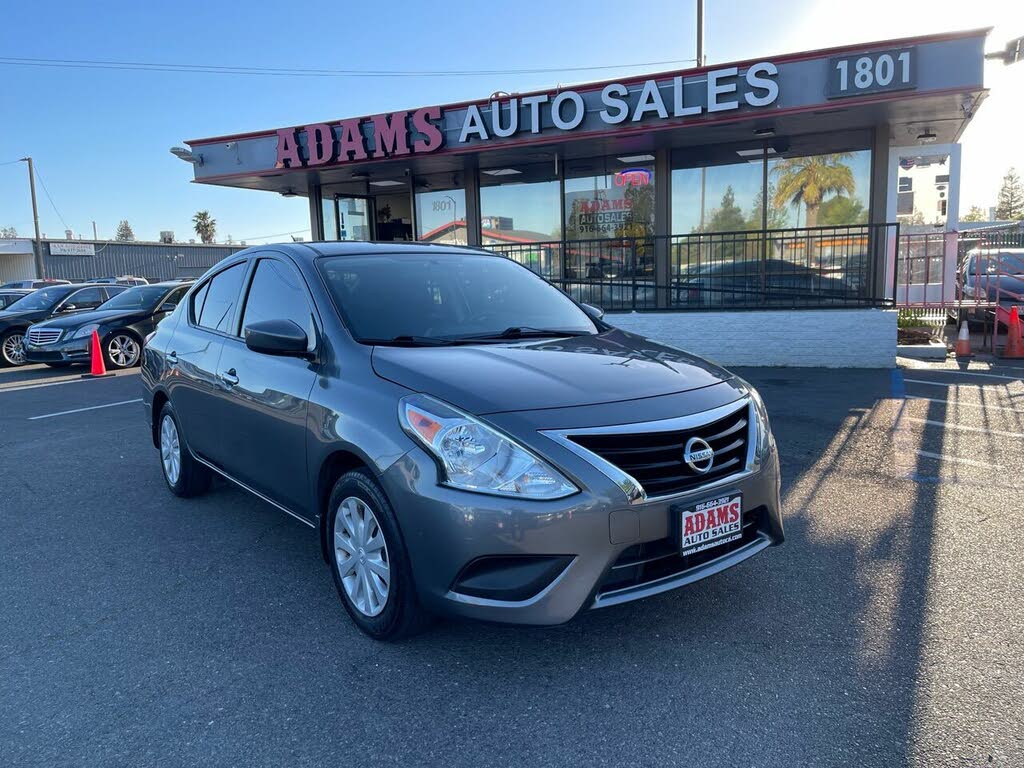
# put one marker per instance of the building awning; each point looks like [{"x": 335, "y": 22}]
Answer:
[{"x": 919, "y": 86}]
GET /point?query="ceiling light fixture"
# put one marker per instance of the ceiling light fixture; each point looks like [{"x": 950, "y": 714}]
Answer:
[
  {"x": 502, "y": 172},
  {"x": 636, "y": 158},
  {"x": 288, "y": 192},
  {"x": 755, "y": 152},
  {"x": 387, "y": 183},
  {"x": 764, "y": 132},
  {"x": 927, "y": 136}
]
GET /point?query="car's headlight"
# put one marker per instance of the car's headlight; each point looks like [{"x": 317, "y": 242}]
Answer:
[
  {"x": 765, "y": 439},
  {"x": 85, "y": 330},
  {"x": 475, "y": 457}
]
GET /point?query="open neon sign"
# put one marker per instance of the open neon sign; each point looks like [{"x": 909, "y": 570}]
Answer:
[{"x": 633, "y": 177}]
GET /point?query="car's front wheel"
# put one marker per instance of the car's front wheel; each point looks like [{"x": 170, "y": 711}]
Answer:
[
  {"x": 369, "y": 562},
  {"x": 12, "y": 351},
  {"x": 184, "y": 475},
  {"x": 122, "y": 350}
]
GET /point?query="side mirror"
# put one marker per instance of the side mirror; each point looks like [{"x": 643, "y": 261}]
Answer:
[
  {"x": 168, "y": 308},
  {"x": 69, "y": 308},
  {"x": 594, "y": 312},
  {"x": 277, "y": 337}
]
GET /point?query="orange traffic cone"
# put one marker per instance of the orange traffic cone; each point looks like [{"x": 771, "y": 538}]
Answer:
[
  {"x": 99, "y": 367},
  {"x": 1014, "y": 343},
  {"x": 963, "y": 341}
]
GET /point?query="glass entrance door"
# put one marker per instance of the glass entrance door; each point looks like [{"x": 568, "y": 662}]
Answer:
[{"x": 349, "y": 217}]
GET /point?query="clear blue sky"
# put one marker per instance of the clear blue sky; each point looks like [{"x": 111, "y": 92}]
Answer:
[{"x": 100, "y": 137}]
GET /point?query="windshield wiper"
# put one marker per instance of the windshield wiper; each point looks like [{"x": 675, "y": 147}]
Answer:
[
  {"x": 526, "y": 331},
  {"x": 410, "y": 341}
]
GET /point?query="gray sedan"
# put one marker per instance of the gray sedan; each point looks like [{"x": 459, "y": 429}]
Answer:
[{"x": 463, "y": 438}]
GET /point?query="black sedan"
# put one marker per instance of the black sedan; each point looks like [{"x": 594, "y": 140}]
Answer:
[
  {"x": 56, "y": 300},
  {"x": 122, "y": 324}
]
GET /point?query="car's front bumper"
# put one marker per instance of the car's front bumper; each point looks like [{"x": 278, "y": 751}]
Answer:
[
  {"x": 64, "y": 351},
  {"x": 589, "y": 550}
]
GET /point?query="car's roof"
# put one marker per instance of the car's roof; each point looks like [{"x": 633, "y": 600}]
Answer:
[
  {"x": 167, "y": 284},
  {"x": 25, "y": 291},
  {"x": 310, "y": 250}
]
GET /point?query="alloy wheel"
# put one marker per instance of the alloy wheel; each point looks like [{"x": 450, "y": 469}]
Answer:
[
  {"x": 13, "y": 351},
  {"x": 123, "y": 351},
  {"x": 170, "y": 450},
  {"x": 362, "y": 556}
]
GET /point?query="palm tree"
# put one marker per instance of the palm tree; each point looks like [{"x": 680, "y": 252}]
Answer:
[
  {"x": 809, "y": 180},
  {"x": 206, "y": 227}
]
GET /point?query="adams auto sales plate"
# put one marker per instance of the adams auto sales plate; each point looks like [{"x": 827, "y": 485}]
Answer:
[{"x": 710, "y": 523}]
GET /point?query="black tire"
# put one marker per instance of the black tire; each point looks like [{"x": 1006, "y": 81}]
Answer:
[
  {"x": 193, "y": 478},
  {"x": 402, "y": 615},
  {"x": 8, "y": 338},
  {"x": 59, "y": 365}
]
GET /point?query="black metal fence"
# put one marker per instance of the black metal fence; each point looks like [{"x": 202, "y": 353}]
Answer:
[{"x": 758, "y": 269}]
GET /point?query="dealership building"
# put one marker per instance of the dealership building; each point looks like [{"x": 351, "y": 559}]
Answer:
[{"x": 748, "y": 211}]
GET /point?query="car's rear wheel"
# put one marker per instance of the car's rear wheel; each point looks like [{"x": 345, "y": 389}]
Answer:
[
  {"x": 183, "y": 474},
  {"x": 369, "y": 561},
  {"x": 11, "y": 350},
  {"x": 122, "y": 350}
]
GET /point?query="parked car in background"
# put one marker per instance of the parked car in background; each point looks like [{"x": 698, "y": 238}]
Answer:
[
  {"x": 122, "y": 324},
  {"x": 463, "y": 437},
  {"x": 34, "y": 283},
  {"x": 123, "y": 280},
  {"x": 757, "y": 283},
  {"x": 995, "y": 275},
  {"x": 43, "y": 304},
  {"x": 10, "y": 295}
]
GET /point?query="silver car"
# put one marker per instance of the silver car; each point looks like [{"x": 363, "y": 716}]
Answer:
[{"x": 463, "y": 438}]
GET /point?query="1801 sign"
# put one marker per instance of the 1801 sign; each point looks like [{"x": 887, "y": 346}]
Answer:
[{"x": 871, "y": 73}]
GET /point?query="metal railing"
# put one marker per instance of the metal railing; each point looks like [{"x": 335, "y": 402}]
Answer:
[{"x": 750, "y": 269}]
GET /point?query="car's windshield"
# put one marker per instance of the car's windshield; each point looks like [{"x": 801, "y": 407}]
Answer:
[
  {"x": 143, "y": 297},
  {"x": 446, "y": 296},
  {"x": 44, "y": 298}
]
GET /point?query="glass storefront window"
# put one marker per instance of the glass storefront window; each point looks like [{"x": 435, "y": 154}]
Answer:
[
  {"x": 441, "y": 215},
  {"x": 616, "y": 203},
  {"x": 825, "y": 190},
  {"x": 521, "y": 216},
  {"x": 721, "y": 198}
]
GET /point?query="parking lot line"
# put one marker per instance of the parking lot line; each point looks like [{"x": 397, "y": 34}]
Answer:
[
  {"x": 946, "y": 384},
  {"x": 80, "y": 410},
  {"x": 973, "y": 373},
  {"x": 958, "y": 460},
  {"x": 23, "y": 387},
  {"x": 983, "y": 406},
  {"x": 964, "y": 427}
]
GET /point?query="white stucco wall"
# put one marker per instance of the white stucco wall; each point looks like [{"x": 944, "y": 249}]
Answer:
[{"x": 835, "y": 338}]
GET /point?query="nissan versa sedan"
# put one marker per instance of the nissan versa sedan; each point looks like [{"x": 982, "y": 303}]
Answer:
[
  {"x": 121, "y": 324},
  {"x": 41, "y": 305},
  {"x": 463, "y": 438}
]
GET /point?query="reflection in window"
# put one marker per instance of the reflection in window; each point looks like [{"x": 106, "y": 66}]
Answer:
[
  {"x": 615, "y": 204},
  {"x": 819, "y": 190},
  {"x": 522, "y": 217},
  {"x": 441, "y": 214}
]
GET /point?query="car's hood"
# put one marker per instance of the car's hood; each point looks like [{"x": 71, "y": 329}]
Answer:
[
  {"x": 549, "y": 373},
  {"x": 76, "y": 319}
]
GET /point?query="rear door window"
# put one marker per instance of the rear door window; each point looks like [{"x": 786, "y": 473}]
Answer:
[
  {"x": 87, "y": 298},
  {"x": 221, "y": 299}
]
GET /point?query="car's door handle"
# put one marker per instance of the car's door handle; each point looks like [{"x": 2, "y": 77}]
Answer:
[
  {"x": 229, "y": 377},
  {"x": 172, "y": 358}
]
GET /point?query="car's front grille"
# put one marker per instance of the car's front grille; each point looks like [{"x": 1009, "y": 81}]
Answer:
[
  {"x": 642, "y": 564},
  {"x": 655, "y": 459},
  {"x": 41, "y": 336}
]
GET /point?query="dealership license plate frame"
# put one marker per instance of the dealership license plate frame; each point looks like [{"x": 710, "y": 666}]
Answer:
[{"x": 731, "y": 531}]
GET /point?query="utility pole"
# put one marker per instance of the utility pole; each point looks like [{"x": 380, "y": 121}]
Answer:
[
  {"x": 94, "y": 237},
  {"x": 37, "y": 244},
  {"x": 700, "y": 33}
]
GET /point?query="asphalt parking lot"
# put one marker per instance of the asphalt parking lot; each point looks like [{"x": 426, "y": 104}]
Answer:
[{"x": 139, "y": 629}]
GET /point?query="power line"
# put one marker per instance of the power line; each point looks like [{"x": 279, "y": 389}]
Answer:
[
  {"x": 213, "y": 69},
  {"x": 50, "y": 198}
]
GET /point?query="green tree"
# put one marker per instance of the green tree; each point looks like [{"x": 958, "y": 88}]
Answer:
[
  {"x": 728, "y": 216},
  {"x": 205, "y": 226},
  {"x": 8, "y": 232},
  {"x": 809, "y": 180},
  {"x": 639, "y": 220},
  {"x": 841, "y": 210},
  {"x": 974, "y": 214},
  {"x": 777, "y": 216},
  {"x": 125, "y": 234},
  {"x": 1010, "y": 205}
]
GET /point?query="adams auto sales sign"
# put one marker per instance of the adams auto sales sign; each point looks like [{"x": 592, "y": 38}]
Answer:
[{"x": 669, "y": 100}]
